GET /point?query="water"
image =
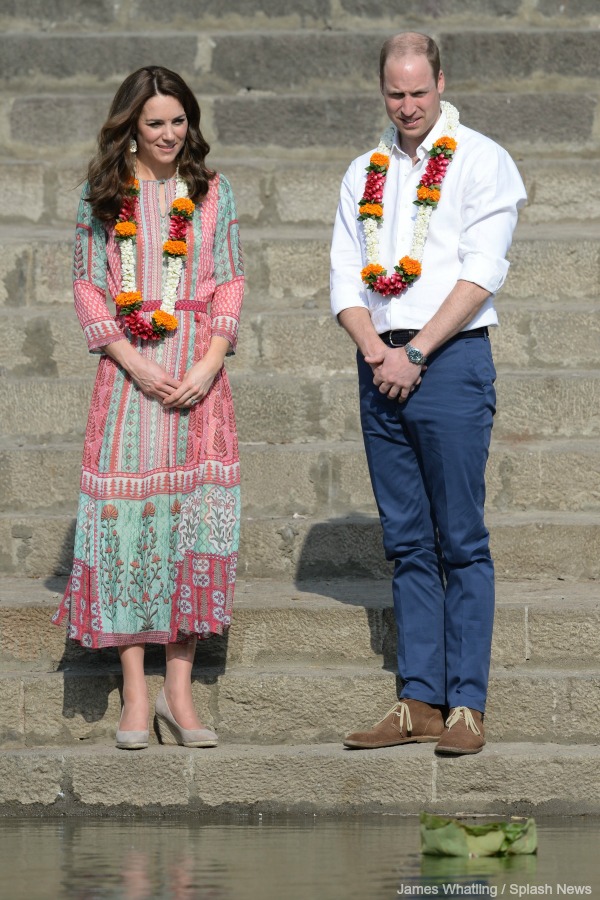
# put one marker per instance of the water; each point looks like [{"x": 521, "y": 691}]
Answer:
[{"x": 291, "y": 859}]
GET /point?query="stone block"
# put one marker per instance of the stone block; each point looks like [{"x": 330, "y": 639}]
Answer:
[
  {"x": 280, "y": 708},
  {"x": 299, "y": 268},
  {"x": 277, "y": 62},
  {"x": 533, "y": 477},
  {"x": 20, "y": 486},
  {"x": 40, "y": 407},
  {"x": 524, "y": 708},
  {"x": 12, "y": 719},
  {"x": 304, "y": 634},
  {"x": 43, "y": 58},
  {"x": 66, "y": 708},
  {"x": 482, "y": 57},
  {"x": 36, "y": 546},
  {"x": 237, "y": 13},
  {"x": 547, "y": 405},
  {"x": 312, "y": 778},
  {"x": 21, "y": 191},
  {"x": 520, "y": 776},
  {"x": 520, "y": 122},
  {"x": 532, "y": 270},
  {"x": 538, "y": 339},
  {"x": 33, "y": 120},
  {"x": 309, "y": 193},
  {"x": 161, "y": 779},
  {"x": 552, "y": 185},
  {"x": 433, "y": 9},
  {"x": 533, "y": 546},
  {"x": 568, "y": 12},
  {"x": 29, "y": 778},
  {"x": 558, "y": 639},
  {"x": 69, "y": 13}
]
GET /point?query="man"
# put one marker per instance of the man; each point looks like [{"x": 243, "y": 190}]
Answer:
[{"x": 419, "y": 250}]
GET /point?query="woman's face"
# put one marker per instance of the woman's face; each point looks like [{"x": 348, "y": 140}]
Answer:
[{"x": 161, "y": 130}]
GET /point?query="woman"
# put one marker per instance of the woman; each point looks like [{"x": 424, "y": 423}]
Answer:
[{"x": 158, "y": 520}]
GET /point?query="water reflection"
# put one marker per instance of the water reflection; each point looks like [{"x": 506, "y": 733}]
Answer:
[{"x": 299, "y": 859}]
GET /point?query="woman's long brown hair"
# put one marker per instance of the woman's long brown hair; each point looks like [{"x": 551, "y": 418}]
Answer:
[{"x": 114, "y": 165}]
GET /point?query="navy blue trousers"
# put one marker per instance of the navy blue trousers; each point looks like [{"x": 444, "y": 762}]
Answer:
[{"x": 427, "y": 459}]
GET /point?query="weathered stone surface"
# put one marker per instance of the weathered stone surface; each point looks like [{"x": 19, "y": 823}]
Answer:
[
  {"x": 511, "y": 777},
  {"x": 271, "y": 778},
  {"x": 434, "y": 9},
  {"x": 274, "y": 708},
  {"x": 157, "y": 779},
  {"x": 534, "y": 546},
  {"x": 520, "y": 122},
  {"x": 568, "y": 12},
  {"x": 533, "y": 477},
  {"x": 92, "y": 58},
  {"x": 558, "y": 642},
  {"x": 21, "y": 191},
  {"x": 12, "y": 720},
  {"x": 67, "y": 12},
  {"x": 29, "y": 778},
  {"x": 481, "y": 57},
  {"x": 548, "y": 405}
]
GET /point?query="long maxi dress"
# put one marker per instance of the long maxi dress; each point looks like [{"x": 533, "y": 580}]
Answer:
[{"x": 159, "y": 511}]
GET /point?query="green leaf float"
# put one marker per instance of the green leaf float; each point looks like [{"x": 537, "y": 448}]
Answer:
[{"x": 451, "y": 837}]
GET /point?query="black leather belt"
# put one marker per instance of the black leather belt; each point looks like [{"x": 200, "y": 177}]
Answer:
[{"x": 402, "y": 336}]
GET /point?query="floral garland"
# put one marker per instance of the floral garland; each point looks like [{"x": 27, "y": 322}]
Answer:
[
  {"x": 129, "y": 301},
  {"x": 429, "y": 190}
]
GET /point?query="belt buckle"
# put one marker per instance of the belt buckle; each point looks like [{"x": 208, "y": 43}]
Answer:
[{"x": 410, "y": 334}]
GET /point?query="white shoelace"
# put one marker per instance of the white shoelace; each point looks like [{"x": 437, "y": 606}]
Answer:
[
  {"x": 401, "y": 710},
  {"x": 465, "y": 713}
]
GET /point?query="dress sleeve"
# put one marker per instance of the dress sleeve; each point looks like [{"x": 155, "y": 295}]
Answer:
[
  {"x": 229, "y": 268},
  {"x": 89, "y": 279}
]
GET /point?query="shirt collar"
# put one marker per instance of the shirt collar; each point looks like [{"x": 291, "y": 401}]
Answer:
[{"x": 423, "y": 149}]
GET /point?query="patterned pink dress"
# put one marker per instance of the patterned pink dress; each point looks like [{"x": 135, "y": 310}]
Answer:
[{"x": 159, "y": 512}]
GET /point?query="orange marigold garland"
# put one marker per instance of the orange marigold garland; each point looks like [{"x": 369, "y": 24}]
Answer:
[
  {"x": 370, "y": 208},
  {"x": 129, "y": 300}
]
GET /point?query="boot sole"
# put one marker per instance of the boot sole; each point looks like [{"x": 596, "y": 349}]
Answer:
[
  {"x": 361, "y": 745},
  {"x": 457, "y": 752}
]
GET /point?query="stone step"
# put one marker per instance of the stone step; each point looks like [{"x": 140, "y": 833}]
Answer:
[
  {"x": 336, "y": 622},
  {"x": 275, "y": 62},
  {"x": 287, "y": 191},
  {"x": 327, "y": 623},
  {"x": 287, "y": 268},
  {"x": 524, "y": 778},
  {"x": 553, "y": 122},
  {"x": 48, "y": 342},
  {"x": 80, "y": 15},
  {"x": 290, "y": 192},
  {"x": 323, "y": 478},
  {"x": 308, "y": 705},
  {"x": 526, "y": 545},
  {"x": 288, "y": 409}
]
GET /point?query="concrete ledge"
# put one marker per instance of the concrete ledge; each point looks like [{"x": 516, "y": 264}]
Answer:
[{"x": 507, "y": 779}]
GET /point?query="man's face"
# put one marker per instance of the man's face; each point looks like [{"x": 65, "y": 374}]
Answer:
[{"x": 412, "y": 98}]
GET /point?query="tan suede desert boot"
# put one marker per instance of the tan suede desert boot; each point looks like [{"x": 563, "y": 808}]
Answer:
[
  {"x": 408, "y": 722},
  {"x": 464, "y": 732}
]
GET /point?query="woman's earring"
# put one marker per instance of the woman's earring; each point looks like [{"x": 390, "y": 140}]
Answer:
[{"x": 133, "y": 145}]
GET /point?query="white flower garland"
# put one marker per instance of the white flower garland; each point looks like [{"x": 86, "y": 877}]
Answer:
[
  {"x": 421, "y": 227},
  {"x": 172, "y": 275}
]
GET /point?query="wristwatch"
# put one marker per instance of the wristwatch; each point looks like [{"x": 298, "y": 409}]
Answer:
[{"x": 415, "y": 356}]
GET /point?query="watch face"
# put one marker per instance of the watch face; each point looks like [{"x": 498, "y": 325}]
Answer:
[{"x": 414, "y": 355}]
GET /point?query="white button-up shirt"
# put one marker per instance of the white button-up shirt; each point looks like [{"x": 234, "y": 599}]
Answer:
[{"x": 470, "y": 231}]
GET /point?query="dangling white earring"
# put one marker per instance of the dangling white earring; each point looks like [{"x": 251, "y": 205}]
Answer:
[{"x": 133, "y": 145}]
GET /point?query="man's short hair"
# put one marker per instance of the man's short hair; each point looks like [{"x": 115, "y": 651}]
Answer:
[{"x": 410, "y": 43}]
